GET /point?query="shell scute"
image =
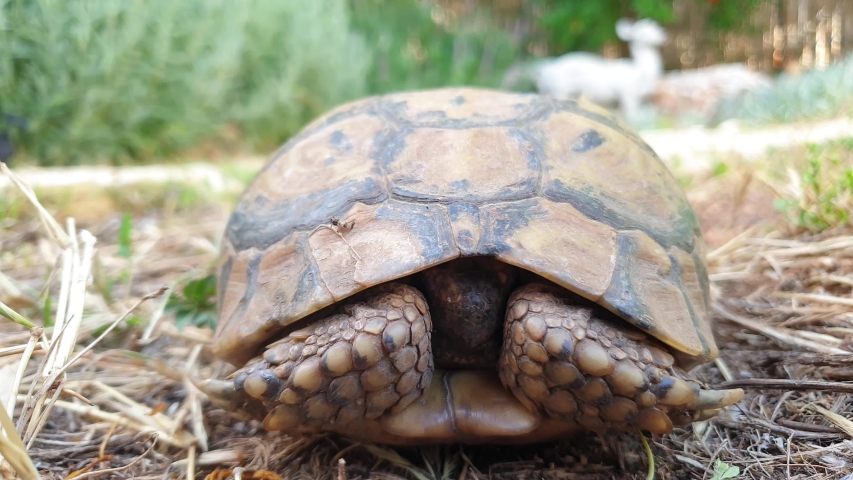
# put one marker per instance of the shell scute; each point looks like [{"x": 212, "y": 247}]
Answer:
[
  {"x": 646, "y": 290},
  {"x": 615, "y": 180},
  {"x": 280, "y": 283},
  {"x": 463, "y": 108},
  {"x": 474, "y": 165},
  {"x": 387, "y": 241},
  {"x": 554, "y": 240}
]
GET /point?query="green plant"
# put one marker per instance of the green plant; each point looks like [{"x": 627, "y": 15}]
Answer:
[
  {"x": 124, "y": 232},
  {"x": 821, "y": 193},
  {"x": 418, "y": 44},
  {"x": 724, "y": 471},
  {"x": 815, "y": 94},
  {"x": 570, "y": 26},
  {"x": 195, "y": 305},
  {"x": 574, "y": 25},
  {"x": 137, "y": 79}
]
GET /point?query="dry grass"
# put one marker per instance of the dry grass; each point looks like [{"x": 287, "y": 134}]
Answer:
[{"x": 106, "y": 387}]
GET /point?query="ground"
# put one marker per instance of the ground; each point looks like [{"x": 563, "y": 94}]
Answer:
[{"x": 782, "y": 314}]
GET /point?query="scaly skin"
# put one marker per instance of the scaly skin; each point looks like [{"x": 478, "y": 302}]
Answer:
[{"x": 368, "y": 372}]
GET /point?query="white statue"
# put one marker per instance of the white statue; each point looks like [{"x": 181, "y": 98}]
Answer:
[{"x": 626, "y": 82}]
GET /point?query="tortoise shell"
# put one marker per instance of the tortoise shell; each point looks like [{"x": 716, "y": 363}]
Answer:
[{"x": 391, "y": 185}]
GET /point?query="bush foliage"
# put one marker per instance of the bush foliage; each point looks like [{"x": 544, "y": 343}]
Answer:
[
  {"x": 815, "y": 94},
  {"x": 417, "y": 45},
  {"x": 135, "y": 79}
]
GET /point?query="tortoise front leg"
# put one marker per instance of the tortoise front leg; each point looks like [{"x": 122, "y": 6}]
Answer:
[
  {"x": 571, "y": 362},
  {"x": 373, "y": 358}
]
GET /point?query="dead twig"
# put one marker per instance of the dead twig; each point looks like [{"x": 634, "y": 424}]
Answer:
[
  {"x": 776, "y": 333},
  {"x": 784, "y": 384},
  {"x": 125, "y": 467}
]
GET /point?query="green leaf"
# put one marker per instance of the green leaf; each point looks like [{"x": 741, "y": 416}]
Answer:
[
  {"x": 124, "y": 232},
  {"x": 723, "y": 470},
  {"x": 195, "y": 305}
]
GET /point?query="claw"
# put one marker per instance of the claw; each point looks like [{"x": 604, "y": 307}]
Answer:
[
  {"x": 221, "y": 390},
  {"x": 717, "y": 399}
]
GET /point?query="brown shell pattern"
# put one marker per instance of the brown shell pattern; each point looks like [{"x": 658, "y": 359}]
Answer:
[{"x": 388, "y": 186}]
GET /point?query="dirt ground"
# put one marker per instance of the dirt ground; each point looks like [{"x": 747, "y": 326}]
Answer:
[{"x": 127, "y": 408}]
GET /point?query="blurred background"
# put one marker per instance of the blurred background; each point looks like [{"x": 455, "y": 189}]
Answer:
[{"x": 144, "y": 81}]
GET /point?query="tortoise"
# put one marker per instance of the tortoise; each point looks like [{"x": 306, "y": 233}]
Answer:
[{"x": 464, "y": 265}]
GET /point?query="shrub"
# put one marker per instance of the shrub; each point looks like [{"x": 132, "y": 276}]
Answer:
[
  {"x": 135, "y": 79},
  {"x": 417, "y": 45},
  {"x": 815, "y": 94}
]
